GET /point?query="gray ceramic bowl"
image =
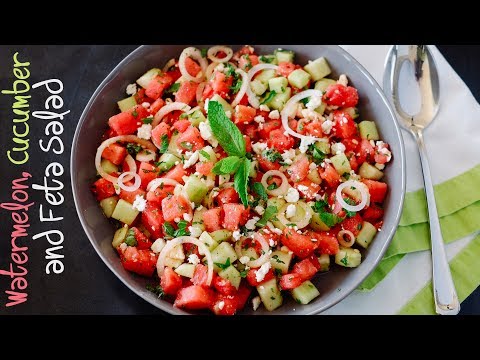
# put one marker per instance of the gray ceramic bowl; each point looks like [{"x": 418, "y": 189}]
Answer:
[{"x": 333, "y": 285}]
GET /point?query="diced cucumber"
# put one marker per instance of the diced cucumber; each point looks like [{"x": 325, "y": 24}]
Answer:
[
  {"x": 198, "y": 218},
  {"x": 323, "y": 84},
  {"x": 124, "y": 212},
  {"x": 278, "y": 84},
  {"x": 279, "y": 100},
  {"x": 222, "y": 253},
  {"x": 305, "y": 293},
  {"x": 221, "y": 235},
  {"x": 145, "y": 79},
  {"x": 196, "y": 118},
  {"x": 232, "y": 275},
  {"x": 299, "y": 78},
  {"x": 186, "y": 270},
  {"x": 167, "y": 161},
  {"x": 177, "y": 253},
  {"x": 314, "y": 176},
  {"x": 119, "y": 236},
  {"x": 195, "y": 189},
  {"x": 208, "y": 155},
  {"x": 348, "y": 257},
  {"x": 281, "y": 260},
  {"x": 284, "y": 55},
  {"x": 208, "y": 241},
  {"x": 265, "y": 75},
  {"x": 341, "y": 163},
  {"x": 279, "y": 203},
  {"x": 323, "y": 146},
  {"x": 353, "y": 112},
  {"x": 318, "y": 69},
  {"x": 268, "y": 59},
  {"x": 108, "y": 166},
  {"x": 321, "y": 108},
  {"x": 173, "y": 263},
  {"x": 172, "y": 146},
  {"x": 253, "y": 169},
  {"x": 226, "y": 106},
  {"x": 368, "y": 171},
  {"x": 127, "y": 103},
  {"x": 250, "y": 252},
  {"x": 324, "y": 261},
  {"x": 366, "y": 235},
  {"x": 368, "y": 130},
  {"x": 270, "y": 294},
  {"x": 258, "y": 87},
  {"x": 317, "y": 224},
  {"x": 108, "y": 205}
]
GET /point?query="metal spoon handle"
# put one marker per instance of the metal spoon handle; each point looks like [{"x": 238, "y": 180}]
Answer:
[{"x": 446, "y": 300}]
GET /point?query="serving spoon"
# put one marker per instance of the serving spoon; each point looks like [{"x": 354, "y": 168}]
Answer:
[{"x": 426, "y": 76}]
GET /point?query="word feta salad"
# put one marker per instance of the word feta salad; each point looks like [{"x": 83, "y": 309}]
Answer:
[{"x": 235, "y": 178}]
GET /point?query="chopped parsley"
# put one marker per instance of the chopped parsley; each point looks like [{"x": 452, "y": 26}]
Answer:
[
  {"x": 203, "y": 52},
  {"x": 266, "y": 59},
  {"x": 278, "y": 272},
  {"x": 236, "y": 88},
  {"x": 147, "y": 120},
  {"x": 277, "y": 259},
  {"x": 173, "y": 88},
  {"x": 164, "y": 146},
  {"x": 224, "y": 266},
  {"x": 271, "y": 155},
  {"x": 269, "y": 214},
  {"x": 272, "y": 186},
  {"x": 344, "y": 260},
  {"x": 243, "y": 273},
  {"x": 133, "y": 149},
  {"x": 269, "y": 97},
  {"x": 186, "y": 145},
  {"x": 130, "y": 240},
  {"x": 205, "y": 154},
  {"x": 260, "y": 190},
  {"x": 317, "y": 155},
  {"x": 134, "y": 113},
  {"x": 350, "y": 202},
  {"x": 181, "y": 231}
]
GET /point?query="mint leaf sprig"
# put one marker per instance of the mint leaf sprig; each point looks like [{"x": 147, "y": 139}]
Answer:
[{"x": 231, "y": 140}]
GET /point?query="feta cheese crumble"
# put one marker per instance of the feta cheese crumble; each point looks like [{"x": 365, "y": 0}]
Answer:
[
  {"x": 288, "y": 156},
  {"x": 306, "y": 141},
  {"x": 338, "y": 148},
  {"x": 193, "y": 259},
  {"x": 244, "y": 260},
  {"x": 250, "y": 225},
  {"x": 236, "y": 236},
  {"x": 274, "y": 115},
  {"x": 260, "y": 274},
  {"x": 145, "y": 131},
  {"x": 327, "y": 126},
  {"x": 131, "y": 89},
  {"x": 187, "y": 217},
  {"x": 259, "y": 210},
  {"x": 264, "y": 108},
  {"x": 343, "y": 80},
  {"x": 195, "y": 231},
  {"x": 314, "y": 102},
  {"x": 291, "y": 211},
  {"x": 191, "y": 160},
  {"x": 259, "y": 147},
  {"x": 221, "y": 304},
  {"x": 206, "y": 133},
  {"x": 139, "y": 203},
  {"x": 292, "y": 195}
]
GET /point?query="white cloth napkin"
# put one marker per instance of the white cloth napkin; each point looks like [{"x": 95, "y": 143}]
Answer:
[{"x": 453, "y": 145}]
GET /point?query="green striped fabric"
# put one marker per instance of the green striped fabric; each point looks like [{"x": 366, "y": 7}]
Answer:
[
  {"x": 459, "y": 217},
  {"x": 465, "y": 274}
]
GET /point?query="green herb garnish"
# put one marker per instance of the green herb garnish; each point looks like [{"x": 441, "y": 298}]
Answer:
[
  {"x": 269, "y": 213},
  {"x": 133, "y": 149},
  {"x": 173, "y": 88},
  {"x": 156, "y": 289},
  {"x": 147, "y": 120},
  {"x": 224, "y": 266},
  {"x": 130, "y": 240},
  {"x": 269, "y": 97}
]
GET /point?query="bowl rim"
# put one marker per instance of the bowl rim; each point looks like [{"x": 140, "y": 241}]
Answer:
[{"x": 167, "y": 307}]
